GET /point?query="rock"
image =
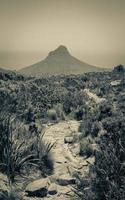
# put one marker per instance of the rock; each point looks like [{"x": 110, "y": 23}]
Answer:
[
  {"x": 79, "y": 135},
  {"x": 69, "y": 140},
  {"x": 66, "y": 180},
  {"x": 52, "y": 190},
  {"x": 115, "y": 83},
  {"x": 38, "y": 188},
  {"x": 90, "y": 160},
  {"x": 75, "y": 149},
  {"x": 64, "y": 190}
]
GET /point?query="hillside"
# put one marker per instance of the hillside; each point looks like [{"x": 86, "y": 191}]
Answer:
[{"x": 59, "y": 61}]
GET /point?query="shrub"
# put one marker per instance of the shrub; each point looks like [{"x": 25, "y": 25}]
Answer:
[
  {"x": 86, "y": 148},
  {"x": 30, "y": 117},
  {"x": 109, "y": 182},
  {"x": 90, "y": 127},
  {"x": 45, "y": 161},
  {"x": 59, "y": 111},
  {"x": 119, "y": 69},
  {"x": 85, "y": 127},
  {"x": 52, "y": 115},
  {"x": 79, "y": 114},
  {"x": 16, "y": 155},
  {"x": 13, "y": 157},
  {"x": 42, "y": 153},
  {"x": 81, "y": 194},
  {"x": 10, "y": 195},
  {"x": 96, "y": 127},
  {"x": 105, "y": 110}
]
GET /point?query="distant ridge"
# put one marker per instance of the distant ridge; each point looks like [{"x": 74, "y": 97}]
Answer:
[
  {"x": 59, "y": 61},
  {"x": 4, "y": 70},
  {"x": 6, "y": 74}
]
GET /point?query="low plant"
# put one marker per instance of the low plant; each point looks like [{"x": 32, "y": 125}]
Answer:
[
  {"x": 13, "y": 158},
  {"x": 42, "y": 153},
  {"x": 17, "y": 154},
  {"x": 52, "y": 115},
  {"x": 10, "y": 195},
  {"x": 45, "y": 161},
  {"x": 86, "y": 148}
]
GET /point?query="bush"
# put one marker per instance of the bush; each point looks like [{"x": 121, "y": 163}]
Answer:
[
  {"x": 17, "y": 154},
  {"x": 81, "y": 194},
  {"x": 44, "y": 159},
  {"x": 10, "y": 195},
  {"x": 86, "y": 148},
  {"x": 59, "y": 112},
  {"x": 119, "y": 69},
  {"x": 29, "y": 115},
  {"x": 79, "y": 114},
  {"x": 13, "y": 157},
  {"x": 52, "y": 115},
  {"x": 105, "y": 110},
  {"x": 109, "y": 182},
  {"x": 85, "y": 127},
  {"x": 41, "y": 151},
  {"x": 90, "y": 127}
]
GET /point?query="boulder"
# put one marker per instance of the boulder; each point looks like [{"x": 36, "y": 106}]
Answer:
[
  {"x": 52, "y": 190},
  {"x": 38, "y": 188},
  {"x": 68, "y": 140}
]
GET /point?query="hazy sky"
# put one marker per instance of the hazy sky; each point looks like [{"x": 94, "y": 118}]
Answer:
[{"x": 92, "y": 30}]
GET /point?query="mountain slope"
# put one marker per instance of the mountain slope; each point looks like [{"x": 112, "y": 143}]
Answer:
[{"x": 59, "y": 61}]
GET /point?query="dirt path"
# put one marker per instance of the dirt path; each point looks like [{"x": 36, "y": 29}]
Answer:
[
  {"x": 93, "y": 96},
  {"x": 66, "y": 163}
]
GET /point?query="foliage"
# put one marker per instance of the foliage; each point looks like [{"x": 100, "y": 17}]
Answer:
[
  {"x": 107, "y": 175},
  {"x": 13, "y": 157},
  {"x": 110, "y": 161},
  {"x": 52, "y": 115},
  {"x": 18, "y": 154},
  {"x": 45, "y": 161},
  {"x": 86, "y": 148},
  {"x": 10, "y": 195},
  {"x": 119, "y": 69}
]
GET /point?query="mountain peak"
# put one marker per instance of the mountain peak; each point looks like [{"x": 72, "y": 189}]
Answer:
[
  {"x": 59, "y": 61},
  {"x": 61, "y": 50}
]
